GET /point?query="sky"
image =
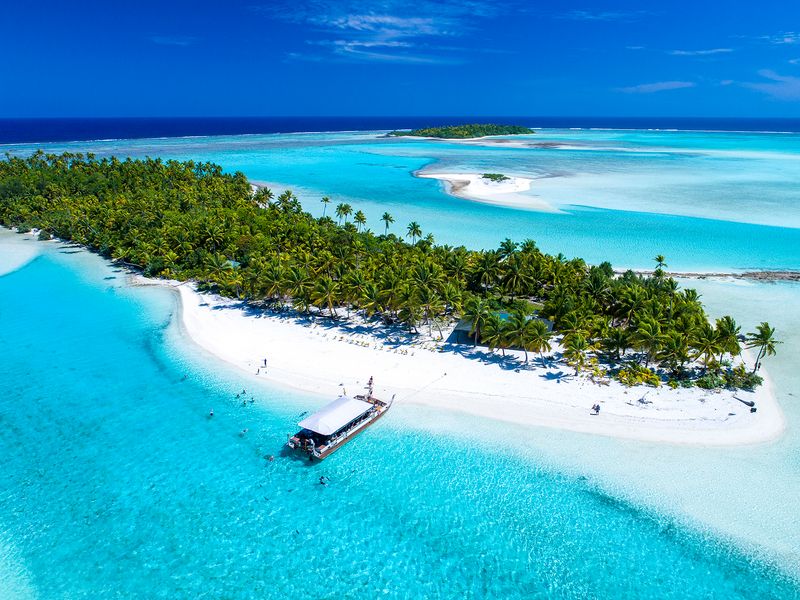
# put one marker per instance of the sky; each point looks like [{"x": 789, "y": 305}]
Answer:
[{"x": 736, "y": 58}]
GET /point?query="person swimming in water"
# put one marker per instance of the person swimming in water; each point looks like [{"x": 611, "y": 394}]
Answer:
[{"x": 211, "y": 413}]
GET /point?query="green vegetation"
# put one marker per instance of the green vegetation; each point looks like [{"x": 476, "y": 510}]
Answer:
[
  {"x": 474, "y": 130},
  {"x": 496, "y": 177},
  {"x": 187, "y": 220}
]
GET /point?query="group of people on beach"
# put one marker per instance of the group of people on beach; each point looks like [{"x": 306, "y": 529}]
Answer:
[{"x": 263, "y": 366}]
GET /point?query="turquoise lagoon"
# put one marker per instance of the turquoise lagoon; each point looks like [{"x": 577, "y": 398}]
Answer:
[
  {"x": 116, "y": 483},
  {"x": 701, "y": 199},
  {"x": 174, "y": 498}
]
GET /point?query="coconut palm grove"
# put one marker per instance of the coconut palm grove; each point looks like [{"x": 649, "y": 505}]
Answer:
[{"x": 192, "y": 221}]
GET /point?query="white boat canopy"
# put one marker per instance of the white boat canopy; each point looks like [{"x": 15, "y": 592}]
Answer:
[{"x": 335, "y": 415}]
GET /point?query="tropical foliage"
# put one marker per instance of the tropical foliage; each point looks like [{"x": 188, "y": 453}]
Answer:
[
  {"x": 465, "y": 131},
  {"x": 496, "y": 177},
  {"x": 187, "y": 220}
]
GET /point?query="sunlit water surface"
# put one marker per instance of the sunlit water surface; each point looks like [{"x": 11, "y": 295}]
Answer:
[{"x": 116, "y": 483}]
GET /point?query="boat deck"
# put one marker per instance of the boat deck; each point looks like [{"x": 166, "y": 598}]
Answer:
[{"x": 320, "y": 446}]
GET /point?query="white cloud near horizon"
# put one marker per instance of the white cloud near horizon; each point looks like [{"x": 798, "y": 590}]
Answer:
[
  {"x": 779, "y": 87},
  {"x": 784, "y": 38},
  {"x": 708, "y": 52},
  {"x": 655, "y": 87}
]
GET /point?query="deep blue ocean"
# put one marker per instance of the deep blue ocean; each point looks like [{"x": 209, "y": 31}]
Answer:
[{"x": 13, "y": 131}]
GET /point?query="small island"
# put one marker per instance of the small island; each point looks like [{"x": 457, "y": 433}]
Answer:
[
  {"x": 462, "y": 132},
  {"x": 495, "y": 177}
]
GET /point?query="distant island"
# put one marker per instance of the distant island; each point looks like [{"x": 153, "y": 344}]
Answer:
[{"x": 456, "y": 132}]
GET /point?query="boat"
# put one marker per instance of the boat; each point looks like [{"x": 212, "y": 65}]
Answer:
[{"x": 330, "y": 428}]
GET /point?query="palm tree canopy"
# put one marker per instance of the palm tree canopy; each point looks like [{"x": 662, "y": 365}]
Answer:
[{"x": 192, "y": 221}]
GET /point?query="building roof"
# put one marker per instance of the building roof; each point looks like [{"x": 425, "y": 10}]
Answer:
[{"x": 335, "y": 415}]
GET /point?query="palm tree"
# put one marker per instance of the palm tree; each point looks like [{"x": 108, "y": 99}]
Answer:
[
  {"x": 674, "y": 352},
  {"x": 214, "y": 235},
  {"x": 354, "y": 283},
  {"x": 370, "y": 299},
  {"x": 487, "y": 269},
  {"x": 648, "y": 337},
  {"x": 217, "y": 266},
  {"x": 516, "y": 276},
  {"x": 288, "y": 200},
  {"x": 537, "y": 338},
  {"x": 431, "y": 304},
  {"x": 575, "y": 348},
  {"x": 631, "y": 301},
  {"x": 706, "y": 344},
  {"x": 528, "y": 333},
  {"x": 347, "y": 210},
  {"x": 360, "y": 219},
  {"x": 528, "y": 246},
  {"x": 326, "y": 294},
  {"x": 262, "y": 196},
  {"x": 271, "y": 280},
  {"x": 728, "y": 332},
  {"x": 495, "y": 333},
  {"x": 477, "y": 310},
  {"x": 387, "y": 220},
  {"x": 410, "y": 311},
  {"x": 233, "y": 280},
  {"x": 516, "y": 330},
  {"x": 343, "y": 210},
  {"x": 414, "y": 231},
  {"x": 762, "y": 338},
  {"x": 616, "y": 341},
  {"x": 507, "y": 248},
  {"x": 451, "y": 296},
  {"x": 660, "y": 262},
  {"x": 325, "y": 201},
  {"x": 297, "y": 283}
]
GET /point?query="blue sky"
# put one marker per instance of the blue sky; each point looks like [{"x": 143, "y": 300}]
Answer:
[{"x": 391, "y": 57}]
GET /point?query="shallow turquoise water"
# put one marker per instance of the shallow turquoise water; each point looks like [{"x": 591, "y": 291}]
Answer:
[
  {"x": 156, "y": 497},
  {"x": 708, "y": 201},
  {"x": 117, "y": 484}
]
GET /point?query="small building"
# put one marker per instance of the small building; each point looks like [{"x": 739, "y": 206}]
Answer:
[{"x": 462, "y": 334}]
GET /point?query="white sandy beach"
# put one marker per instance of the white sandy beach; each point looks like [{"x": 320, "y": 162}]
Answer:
[
  {"x": 17, "y": 251},
  {"x": 473, "y": 186},
  {"x": 316, "y": 356}
]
